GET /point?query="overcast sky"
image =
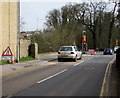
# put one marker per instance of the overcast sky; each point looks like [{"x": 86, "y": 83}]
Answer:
[{"x": 34, "y": 12}]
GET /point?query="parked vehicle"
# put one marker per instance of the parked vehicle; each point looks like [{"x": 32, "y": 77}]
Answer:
[
  {"x": 108, "y": 51},
  {"x": 91, "y": 51},
  {"x": 69, "y": 52},
  {"x": 115, "y": 48}
]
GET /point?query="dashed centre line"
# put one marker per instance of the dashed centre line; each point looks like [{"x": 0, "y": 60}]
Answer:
[
  {"x": 78, "y": 63},
  {"x": 82, "y": 61},
  {"x": 57, "y": 73},
  {"x": 51, "y": 76}
]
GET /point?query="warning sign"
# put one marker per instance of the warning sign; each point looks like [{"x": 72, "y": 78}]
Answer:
[{"x": 7, "y": 52}]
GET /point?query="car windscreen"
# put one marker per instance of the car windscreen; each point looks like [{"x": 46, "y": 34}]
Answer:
[
  {"x": 107, "y": 50},
  {"x": 66, "y": 49}
]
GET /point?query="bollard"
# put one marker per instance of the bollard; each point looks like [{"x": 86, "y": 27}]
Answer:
[{"x": 118, "y": 57}]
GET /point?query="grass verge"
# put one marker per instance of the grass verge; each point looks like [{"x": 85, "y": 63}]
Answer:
[
  {"x": 23, "y": 59},
  {"x": 3, "y": 63}
]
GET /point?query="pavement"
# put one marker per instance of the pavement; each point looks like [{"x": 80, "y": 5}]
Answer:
[
  {"x": 9, "y": 69},
  {"x": 113, "y": 81},
  {"x": 111, "y": 88}
]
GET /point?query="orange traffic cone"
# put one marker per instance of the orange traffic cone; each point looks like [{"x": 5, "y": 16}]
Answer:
[{"x": 12, "y": 62}]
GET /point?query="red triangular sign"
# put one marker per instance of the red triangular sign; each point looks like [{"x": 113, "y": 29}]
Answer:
[{"x": 7, "y": 52}]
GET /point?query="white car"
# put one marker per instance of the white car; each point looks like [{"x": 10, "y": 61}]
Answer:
[{"x": 69, "y": 52}]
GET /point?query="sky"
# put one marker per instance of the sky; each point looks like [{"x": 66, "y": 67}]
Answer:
[{"x": 34, "y": 12}]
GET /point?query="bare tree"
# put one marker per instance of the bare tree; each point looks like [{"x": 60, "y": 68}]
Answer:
[
  {"x": 112, "y": 24},
  {"x": 53, "y": 19},
  {"x": 118, "y": 16},
  {"x": 74, "y": 18},
  {"x": 90, "y": 14}
]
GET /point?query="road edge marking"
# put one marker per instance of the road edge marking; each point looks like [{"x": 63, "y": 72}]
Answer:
[
  {"x": 51, "y": 76},
  {"x": 105, "y": 76}
]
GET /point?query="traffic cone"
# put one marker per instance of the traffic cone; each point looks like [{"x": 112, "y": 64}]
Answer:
[
  {"x": 95, "y": 53},
  {"x": 12, "y": 62}
]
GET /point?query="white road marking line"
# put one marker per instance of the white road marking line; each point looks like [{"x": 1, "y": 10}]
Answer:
[
  {"x": 78, "y": 63},
  {"x": 51, "y": 76},
  {"x": 90, "y": 58}
]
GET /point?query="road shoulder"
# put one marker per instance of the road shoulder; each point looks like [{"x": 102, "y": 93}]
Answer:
[{"x": 114, "y": 85}]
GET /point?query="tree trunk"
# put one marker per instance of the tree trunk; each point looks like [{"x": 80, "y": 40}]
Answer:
[
  {"x": 111, "y": 26},
  {"x": 94, "y": 41}
]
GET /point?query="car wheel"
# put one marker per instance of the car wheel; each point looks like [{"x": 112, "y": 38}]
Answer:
[
  {"x": 80, "y": 57},
  {"x": 59, "y": 60},
  {"x": 75, "y": 59}
]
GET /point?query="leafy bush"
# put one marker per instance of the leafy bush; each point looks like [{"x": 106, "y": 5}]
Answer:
[{"x": 43, "y": 45}]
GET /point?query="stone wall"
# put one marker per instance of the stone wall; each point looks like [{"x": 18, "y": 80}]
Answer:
[
  {"x": 9, "y": 21},
  {"x": 24, "y": 47},
  {"x": 0, "y": 30}
]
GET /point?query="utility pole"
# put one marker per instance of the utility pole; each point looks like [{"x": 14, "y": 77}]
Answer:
[{"x": 18, "y": 33}]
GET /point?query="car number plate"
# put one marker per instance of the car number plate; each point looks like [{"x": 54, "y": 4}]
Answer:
[{"x": 64, "y": 56}]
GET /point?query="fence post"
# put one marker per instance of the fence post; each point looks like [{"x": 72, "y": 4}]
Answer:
[{"x": 118, "y": 57}]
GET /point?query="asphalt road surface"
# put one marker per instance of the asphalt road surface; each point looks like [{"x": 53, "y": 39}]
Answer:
[{"x": 68, "y": 78}]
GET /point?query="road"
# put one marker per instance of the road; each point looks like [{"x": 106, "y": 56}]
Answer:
[{"x": 68, "y": 78}]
